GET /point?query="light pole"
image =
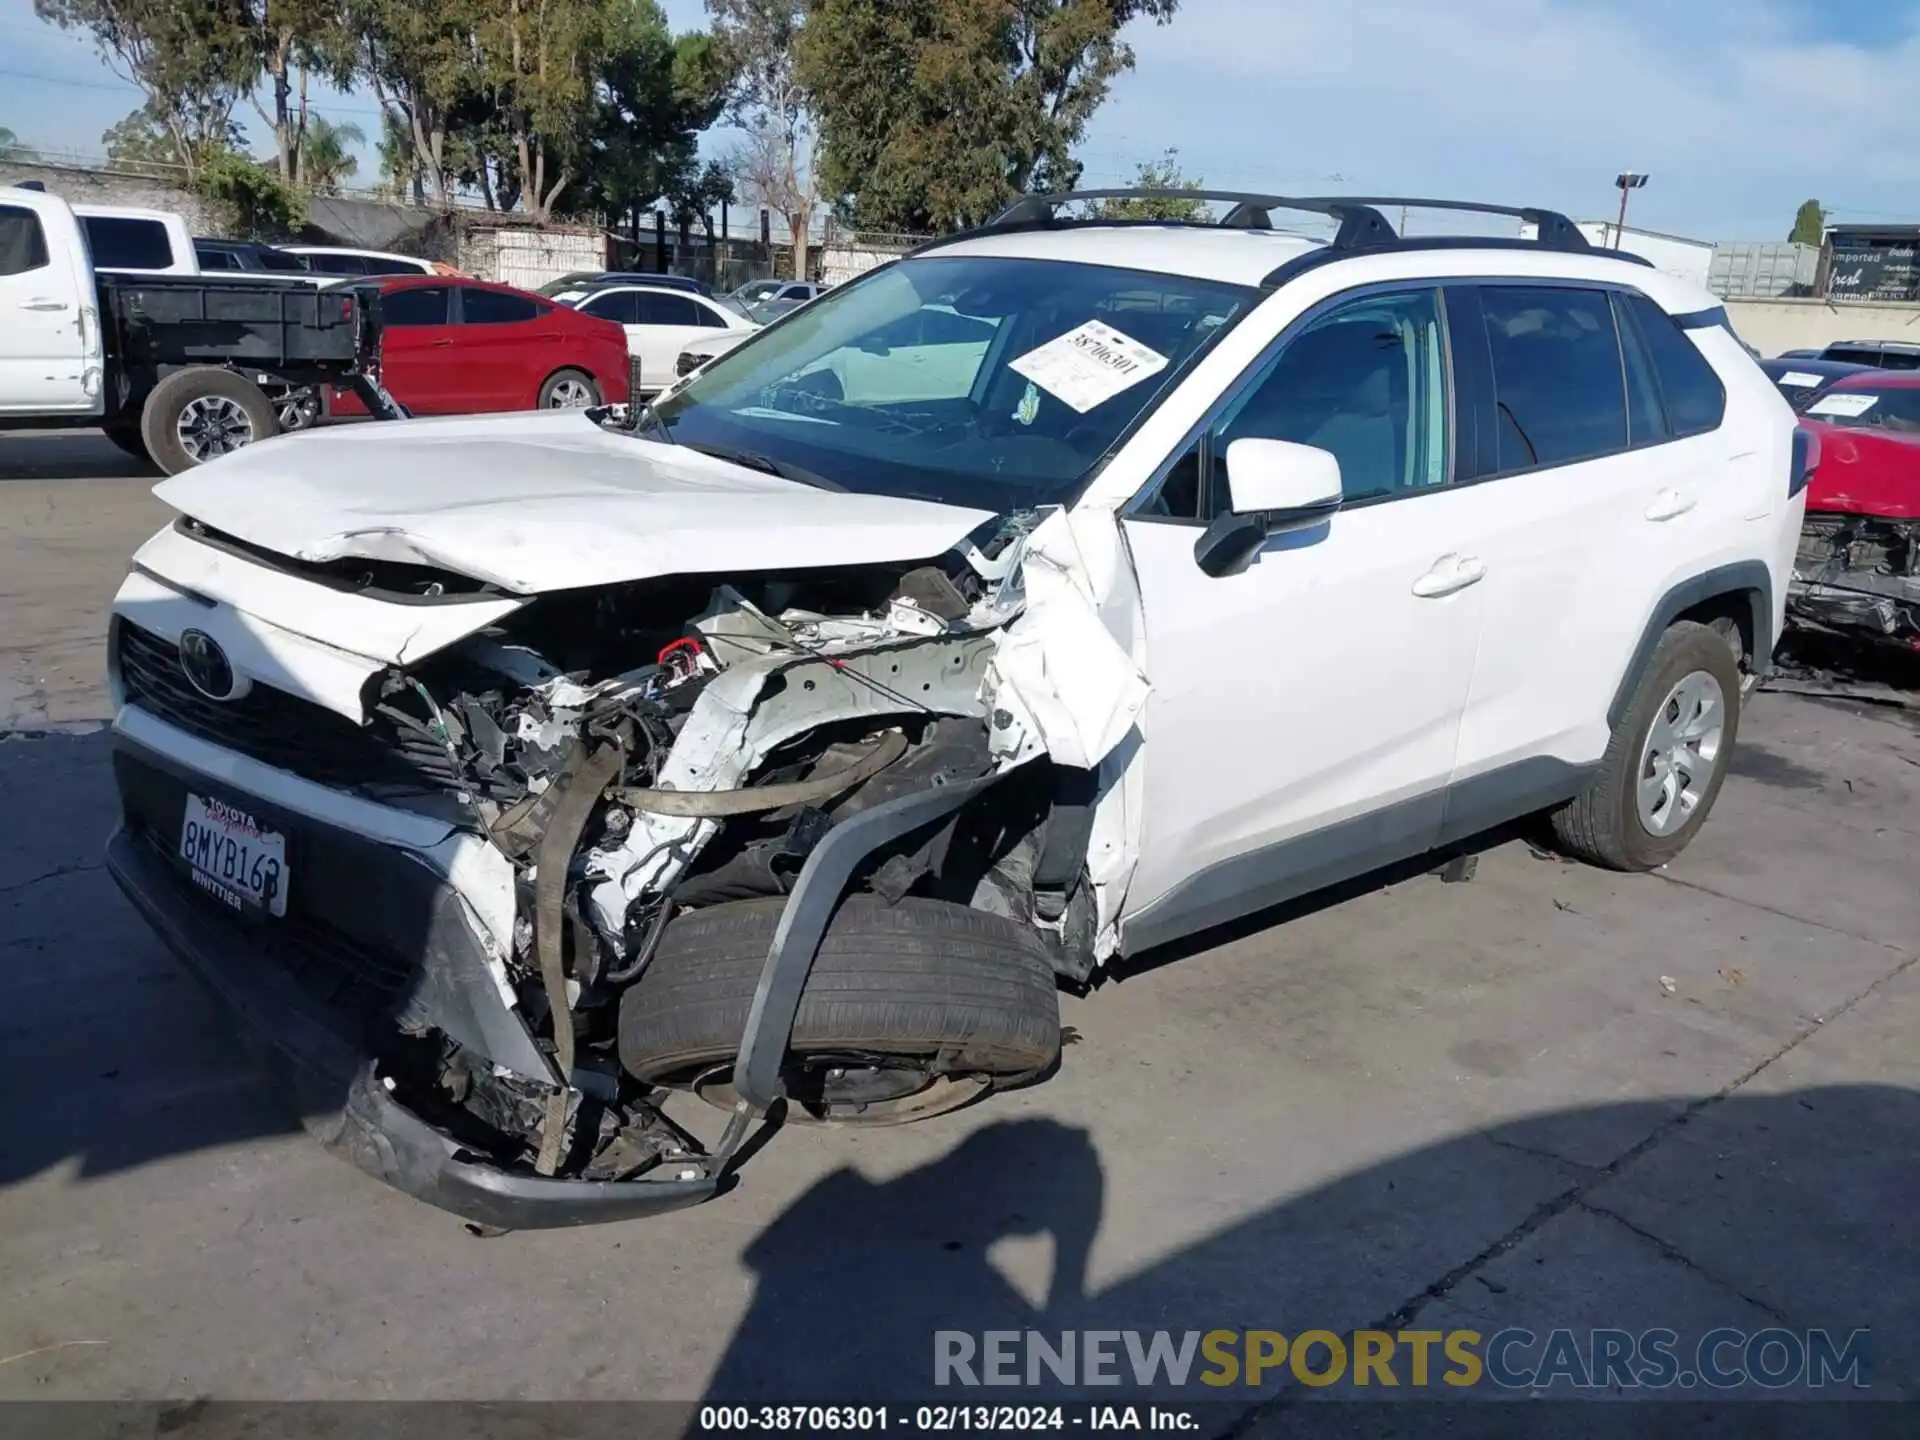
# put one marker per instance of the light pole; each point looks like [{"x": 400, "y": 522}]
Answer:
[{"x": 1627, "y": 182}]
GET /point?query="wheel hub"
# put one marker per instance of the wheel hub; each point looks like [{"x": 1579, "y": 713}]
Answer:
[
  {"x": 213, "y": 425},
  {"x": 1681, "y": 751}
]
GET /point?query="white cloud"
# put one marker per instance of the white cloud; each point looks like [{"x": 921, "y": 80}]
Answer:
[{"x": 1736, "y": 114}]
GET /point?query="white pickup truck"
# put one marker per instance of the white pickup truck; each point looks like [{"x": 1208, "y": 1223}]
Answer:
[{"x": 179, "y": 368}]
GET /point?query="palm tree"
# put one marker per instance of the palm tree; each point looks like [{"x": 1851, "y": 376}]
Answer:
[{"x": 326, "y": 154}]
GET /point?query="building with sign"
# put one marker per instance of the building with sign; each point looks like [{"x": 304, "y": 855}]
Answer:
[{"x": 1871, "y": 262}]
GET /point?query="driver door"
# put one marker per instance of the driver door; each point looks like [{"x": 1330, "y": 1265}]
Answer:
[{"x": 1305, "y": 711}]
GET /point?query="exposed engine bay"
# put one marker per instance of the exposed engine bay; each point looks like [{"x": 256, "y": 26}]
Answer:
[
  {"x": 1859, "y": 576},
  {"x": 643, "y": 752}
]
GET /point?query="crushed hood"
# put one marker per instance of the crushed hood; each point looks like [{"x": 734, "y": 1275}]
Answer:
[{"x": 544, "y": 501}]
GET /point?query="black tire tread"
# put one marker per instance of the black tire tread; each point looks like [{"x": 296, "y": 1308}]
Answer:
[
  {"x": 908, "y": 979},
  {"x": 1594, "y": 825},
  {"x": 164, "y": 403}
]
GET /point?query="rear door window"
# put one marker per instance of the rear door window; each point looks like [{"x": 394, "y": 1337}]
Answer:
[
  {"x": 23, "y": 243},
  {"x": 1559, "y": 388},
  {"x": 121, "y": 242},
  {"x": 492, "y": 307},
  {"x": 415, "y": 305},
  {"x": 1694, "y": 397},
  {"x": 337, "y": 264}
]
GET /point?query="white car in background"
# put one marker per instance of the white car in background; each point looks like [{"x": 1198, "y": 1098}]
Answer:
[
  {"x": 661, "y": 322},
  {"x": 344, "y": 260}
]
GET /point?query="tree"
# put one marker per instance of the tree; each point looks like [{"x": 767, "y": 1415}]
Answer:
[
  {"x": 1161, "y": 174},
  {"x": 12, "y": 149},
  {"x": 419, "y": 61},
  {"x": 142, "y": 142},
  {"x": 656, "y": 91},
  {"x": 935, "y": 113},
  {"x": 292, "y": 39},
  {"x": 326, "y": 156},
  {"x": 761, "y": 40},
  {"x": 1809, "y": 224},
  {"x": 193, "y": 59}
]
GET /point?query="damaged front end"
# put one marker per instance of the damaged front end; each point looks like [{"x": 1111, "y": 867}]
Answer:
[
  {"x": 1858, "y": 576},
  {"x": 615, "y": 757}
]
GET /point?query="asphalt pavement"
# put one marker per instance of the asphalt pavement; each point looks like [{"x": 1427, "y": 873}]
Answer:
[{"x": 1549, "y": 1097}]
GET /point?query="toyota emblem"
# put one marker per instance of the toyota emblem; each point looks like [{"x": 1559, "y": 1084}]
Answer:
[{"x": 206, "y": 665}]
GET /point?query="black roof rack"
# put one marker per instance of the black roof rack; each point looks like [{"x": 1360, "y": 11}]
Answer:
[{"x": 1361, "y": 225}]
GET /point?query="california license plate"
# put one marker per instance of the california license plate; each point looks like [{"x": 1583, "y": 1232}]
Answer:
[{"x": 233, "y": 858}]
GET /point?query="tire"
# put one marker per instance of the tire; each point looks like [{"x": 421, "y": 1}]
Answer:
[
  {"x": 127, "y": 438},
  {"x": 910, "y": 982},
  {"x": 562, "y": 384},
  {"x": 298, "y": 408},
  {"x": 1606, "y": 825},
  {"x": 219, "y": 410}
]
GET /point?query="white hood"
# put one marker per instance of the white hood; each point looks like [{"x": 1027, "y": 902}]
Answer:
[{"x": 544, "y": 501}]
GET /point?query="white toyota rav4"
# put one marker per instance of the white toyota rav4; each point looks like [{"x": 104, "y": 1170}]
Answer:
[{"x": 1063, "y": 589}]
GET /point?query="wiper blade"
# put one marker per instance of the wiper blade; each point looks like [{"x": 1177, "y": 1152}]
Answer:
[{"x": 766, "y": 465}]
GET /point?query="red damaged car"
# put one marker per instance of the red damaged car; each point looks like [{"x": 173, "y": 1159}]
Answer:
[
  {"x": 1858, "y": 571},
  {"x": 454, "y": 346}
]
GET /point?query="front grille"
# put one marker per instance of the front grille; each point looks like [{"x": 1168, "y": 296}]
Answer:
[
  {"x": 356, "y": 982},
  {"x": 279, "y": 729}
]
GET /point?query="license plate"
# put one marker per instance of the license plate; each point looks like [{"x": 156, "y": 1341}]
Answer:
[{"x": 233, "y": 857}]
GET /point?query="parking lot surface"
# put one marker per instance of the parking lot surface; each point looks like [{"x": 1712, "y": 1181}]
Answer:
[{"x": 1549, "y": 1097}]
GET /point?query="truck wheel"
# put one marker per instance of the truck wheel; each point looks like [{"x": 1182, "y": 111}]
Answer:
[
  {"x": 569, "y": 390},
  {"x": 910, "y": 1010},
  {"x": 127, "y": 437},
  {"x": 198, "y": 415},
  {"x": 1667, "y": 758}
]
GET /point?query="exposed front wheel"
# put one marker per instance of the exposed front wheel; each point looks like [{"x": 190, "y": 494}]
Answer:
[
  {"x": 1667, "y": 759},
  {"x": 198, "y": 415},
  {"x": 910, "y": 1010}
]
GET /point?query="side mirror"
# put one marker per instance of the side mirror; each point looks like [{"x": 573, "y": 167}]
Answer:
[{"x": 1274, "y": 487}]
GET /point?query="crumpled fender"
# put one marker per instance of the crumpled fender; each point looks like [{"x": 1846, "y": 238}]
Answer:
[{"x": 1066, "y": 680}]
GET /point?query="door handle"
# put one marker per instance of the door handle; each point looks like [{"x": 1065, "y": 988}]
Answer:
[
  {"x": 442, "y": 344},
  {"x": 1670, "y": 505},
  {"x": 41, "y": 302},
  {"x": 1450, "y": 573}
]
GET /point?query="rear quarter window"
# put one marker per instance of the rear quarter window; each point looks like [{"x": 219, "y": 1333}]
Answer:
[
  {"x": 1692, "y": 395},
  {"x": 119, "y": 242}
]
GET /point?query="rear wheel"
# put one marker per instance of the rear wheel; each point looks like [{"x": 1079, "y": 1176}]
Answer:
[
  {"x": 198, "y": 415},
  {"x": 1667, "y": 759},
  {"x": 569, "y": 390},
  {"x": 910, "y": 1010}
]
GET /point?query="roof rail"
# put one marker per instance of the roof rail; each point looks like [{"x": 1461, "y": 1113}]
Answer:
[{"x": 1361, "y": 224}]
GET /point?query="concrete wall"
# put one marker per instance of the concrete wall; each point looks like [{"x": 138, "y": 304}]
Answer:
[
  {"x": 1773, "y": 326},
  {"x": 107, "y": 187},
  {"x": 529, "y": 258}
]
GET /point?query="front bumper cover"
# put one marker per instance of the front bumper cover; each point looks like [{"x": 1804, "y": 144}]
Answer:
[{"x": 336, "y": 1088}]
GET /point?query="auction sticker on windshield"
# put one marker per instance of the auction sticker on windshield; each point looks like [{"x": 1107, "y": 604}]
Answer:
[
  {"x": 1849, "y": 406},
  {"x": 1800, "y": 380},
  {"x": 233, "y": 858},
  {"x": 1089, "y": 365}
]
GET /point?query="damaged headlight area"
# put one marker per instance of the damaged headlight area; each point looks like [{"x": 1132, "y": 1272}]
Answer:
[
  {"x": 662, "y": 759},
  {"x": 1859, "y": 576}
]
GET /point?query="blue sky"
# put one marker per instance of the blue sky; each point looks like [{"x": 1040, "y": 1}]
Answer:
[{"x": 1739, "y": 109}]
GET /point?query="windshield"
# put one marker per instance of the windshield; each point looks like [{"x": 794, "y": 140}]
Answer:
[
  {"x": 987, "y": 382},
  {"x": 1892, "y": 408}
]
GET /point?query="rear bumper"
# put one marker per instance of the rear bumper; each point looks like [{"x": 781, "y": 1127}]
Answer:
[{"x": 322, "y": 1058}]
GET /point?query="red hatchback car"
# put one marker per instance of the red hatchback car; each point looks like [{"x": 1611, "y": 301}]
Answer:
[{"x": 466, "y": 347}]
